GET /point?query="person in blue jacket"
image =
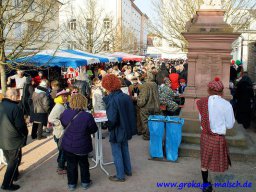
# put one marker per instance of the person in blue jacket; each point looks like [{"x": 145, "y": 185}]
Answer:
[{"x": 121, "y": 124}]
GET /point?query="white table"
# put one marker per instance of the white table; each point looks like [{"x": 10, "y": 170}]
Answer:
[{"x": 98, "y": 147}]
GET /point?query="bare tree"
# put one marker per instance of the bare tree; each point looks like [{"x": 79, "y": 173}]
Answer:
[
  {"x": 25, "y": 25},
  {"x": 173, "y": 15},
  {"x": 123, "y": 40},
  {"x": 88, "y": 27}
]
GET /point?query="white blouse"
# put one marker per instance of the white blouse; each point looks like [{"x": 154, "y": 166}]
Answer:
[{"x": 221, "y": 114}]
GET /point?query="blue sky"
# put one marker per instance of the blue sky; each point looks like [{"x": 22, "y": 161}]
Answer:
[{"x": 145, "y": 6}]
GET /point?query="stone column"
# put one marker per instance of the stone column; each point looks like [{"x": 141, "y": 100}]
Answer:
[{"x": 209, "y": 53}]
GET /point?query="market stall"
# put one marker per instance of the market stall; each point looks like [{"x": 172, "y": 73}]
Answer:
[
  {"x": 58, "y": 58},
  {"x": 126, "y": 56},
  {"x": 102, "y": 58}
]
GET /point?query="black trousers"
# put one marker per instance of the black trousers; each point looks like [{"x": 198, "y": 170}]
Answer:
[
  {"x": 37, "y": 130},
  {"x": 13, "y": 158},
  {"x": 72, "y": 168}
]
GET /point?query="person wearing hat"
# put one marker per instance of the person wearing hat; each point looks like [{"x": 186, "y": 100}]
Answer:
[
  {"x": 216, "y": 115},
  {"x": 182, "y": 86},
  {"x": 61, "y": 103},
  {"x": 41, "y": 109}
]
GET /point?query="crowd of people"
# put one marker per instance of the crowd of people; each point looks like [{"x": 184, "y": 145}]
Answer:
[{"x": 129, "y": 94}]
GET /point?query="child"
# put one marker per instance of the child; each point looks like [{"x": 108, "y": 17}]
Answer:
[{"x": 183, "y": 85}]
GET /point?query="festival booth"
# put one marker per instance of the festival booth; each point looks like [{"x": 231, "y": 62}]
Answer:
[
  {"x": 102, "y": 58},
  {"x": 126, "y": 56},
  {"x": 70, "y": 63}
]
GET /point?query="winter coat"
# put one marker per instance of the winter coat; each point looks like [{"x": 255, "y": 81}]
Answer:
[
  {"x": 149, "y": 98},
  {"x": 54, "y": 118},
  {"x": 174, "y": 78},
  {"x": 77, "y": 138},
  {"x": 121, "y": 116},
  {"x": 166, "y": 97},
  {"x": 41, "y": 102},
  {"x": 13, "y": 129},
  {"x": 41, "y": 106},
  {"x": 97, "y": 102}
]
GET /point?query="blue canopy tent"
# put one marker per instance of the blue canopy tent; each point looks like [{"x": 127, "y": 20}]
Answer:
[
  {"x": 57, "y": 58},
  {"x": 102, "y": 58}
]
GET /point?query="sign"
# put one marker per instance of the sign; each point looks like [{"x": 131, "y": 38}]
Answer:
[{"x": 100, "y": 116}]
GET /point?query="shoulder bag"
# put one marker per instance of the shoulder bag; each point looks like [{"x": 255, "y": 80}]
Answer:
[{"x": 66, "y": 128}]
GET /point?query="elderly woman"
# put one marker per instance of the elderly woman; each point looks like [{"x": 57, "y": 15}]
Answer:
[
  {"x": 76, "y": 141},
  {"x": 121, "y": 125},
  {"x": 166, "y": 96},
  {"x": 61, "y": 103}
]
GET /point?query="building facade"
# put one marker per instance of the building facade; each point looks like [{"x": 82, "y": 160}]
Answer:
[
  {"x": 244, "y": 48},
  {"x": 34, "y": 25},
  {"x": 127, "y": 24}
]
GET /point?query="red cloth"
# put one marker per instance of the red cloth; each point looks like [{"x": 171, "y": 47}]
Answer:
[
  {"x": 174, "y": 78},
  {"x": 213, "y": 147},
  {"x": 37, "y": 80},
  {"x": 216, "y": 85}
]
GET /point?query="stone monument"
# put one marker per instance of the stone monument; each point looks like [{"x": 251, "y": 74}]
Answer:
[{"x": 209, "y": 47}]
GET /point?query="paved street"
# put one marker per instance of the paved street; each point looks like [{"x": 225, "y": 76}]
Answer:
[{"x": 38, "y": 170}]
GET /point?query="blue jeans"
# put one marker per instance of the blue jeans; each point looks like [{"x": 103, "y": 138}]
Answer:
[
  {"x": 61, "y": 156},
  {"x": 121, "y": 156}
]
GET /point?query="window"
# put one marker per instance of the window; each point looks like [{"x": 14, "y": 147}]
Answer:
[
  {"x": 106, "y": 46},
  {"x": 107, "y": 23},
  {"x": 71, "y": 45},
  {"x": 72, "y": 24},
  {"x": 89, "y": 24},
  {"x": 17, "y": 3},
  {"x": 17, "y": 30}
]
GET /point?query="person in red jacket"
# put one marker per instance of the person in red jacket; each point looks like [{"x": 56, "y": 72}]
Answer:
[{"x": 174, "y": 78}]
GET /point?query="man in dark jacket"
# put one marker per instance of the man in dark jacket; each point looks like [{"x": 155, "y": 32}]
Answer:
[
  {"x": 121, "y": 124},
  {"x": 13, "y": 134}
]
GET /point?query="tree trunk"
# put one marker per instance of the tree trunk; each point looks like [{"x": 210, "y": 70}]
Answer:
[{"x": 3, "y": 78}]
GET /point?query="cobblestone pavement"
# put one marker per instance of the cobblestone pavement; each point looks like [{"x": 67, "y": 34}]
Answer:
[{"x": 38, "y": 171}]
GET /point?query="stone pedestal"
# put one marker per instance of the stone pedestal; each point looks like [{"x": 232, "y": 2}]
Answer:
[{"x": 209, "y": 47}]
